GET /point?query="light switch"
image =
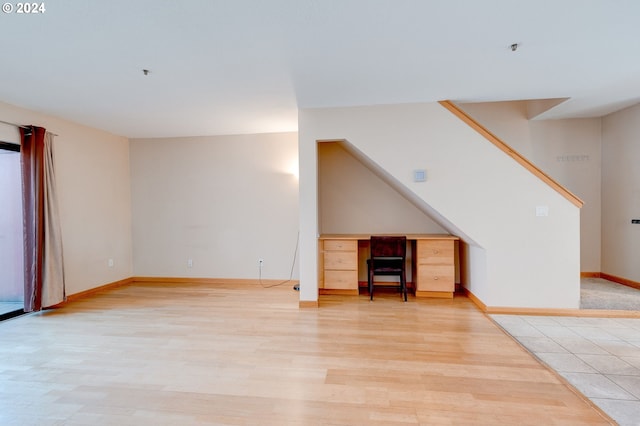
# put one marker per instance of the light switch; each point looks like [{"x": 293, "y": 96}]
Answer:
[
  {"x": 419, "y": 175},
  {"x": 542, "y": 210}
]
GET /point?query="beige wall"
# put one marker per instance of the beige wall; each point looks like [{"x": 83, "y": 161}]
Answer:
[
  {"x": 353, "y": 199},
  {"x": 190, "y": 204},
  {"x": 567, "y": 150},
  {"x": 515, "y": 257},
  {"x": 92, "y": 172},
  {"x": 621, "y": 193},
  {"x": 222, "y": 201}
]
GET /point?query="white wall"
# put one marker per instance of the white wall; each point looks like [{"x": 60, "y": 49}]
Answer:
[
  {"x": 529, "y": 261},
  {"x": 621, "y": 193},
  {"x": 92, "y": 172},
  {"x": 222, "y": 201},
  {"x": 567, "y": 150}
]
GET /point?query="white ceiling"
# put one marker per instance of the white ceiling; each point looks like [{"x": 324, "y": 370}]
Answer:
[{"x": 246, "y": 66}]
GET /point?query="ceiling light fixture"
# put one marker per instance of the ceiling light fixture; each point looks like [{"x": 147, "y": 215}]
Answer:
[
  {"x": 146, "y": 72},
  {"x": 514, "y": 47}
]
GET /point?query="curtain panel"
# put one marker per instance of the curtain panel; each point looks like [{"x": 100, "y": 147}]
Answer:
[{"x": 43, "y": 274}]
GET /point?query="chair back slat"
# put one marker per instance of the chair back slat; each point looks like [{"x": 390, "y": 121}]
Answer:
[
  {"x": 388, "y": 246},
  {"x": 388, "y": 254}
]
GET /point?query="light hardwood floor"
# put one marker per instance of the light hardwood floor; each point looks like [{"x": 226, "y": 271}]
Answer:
[{"x": 196, "y": 354}]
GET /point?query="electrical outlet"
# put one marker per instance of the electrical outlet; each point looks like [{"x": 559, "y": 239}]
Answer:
[
  {"x": 190, "y": 263},
  {"x": 110, "y": 263}
]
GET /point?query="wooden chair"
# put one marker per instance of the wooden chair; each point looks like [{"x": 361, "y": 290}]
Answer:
[{"x": 388, "y": 256}]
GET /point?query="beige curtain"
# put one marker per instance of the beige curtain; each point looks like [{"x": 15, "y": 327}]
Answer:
[
  {"x": 43, "y": 273},
  {"x": 53, "y": 291}
]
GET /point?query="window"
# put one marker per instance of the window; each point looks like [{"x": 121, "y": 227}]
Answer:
[{"x": 11, "y": 240}]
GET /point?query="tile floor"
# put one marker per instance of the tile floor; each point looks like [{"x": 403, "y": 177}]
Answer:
[{"x": 599, "y": 356}]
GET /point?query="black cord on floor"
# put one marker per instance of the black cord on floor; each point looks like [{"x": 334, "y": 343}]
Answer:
[{"x": 293, "y": 263}]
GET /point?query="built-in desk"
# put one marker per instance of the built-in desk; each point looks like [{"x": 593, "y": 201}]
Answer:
[{"x": 432, "y": 263}]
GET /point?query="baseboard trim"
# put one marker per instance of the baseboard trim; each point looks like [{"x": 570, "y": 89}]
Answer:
[
  {"x": 560, "y": 312},
  {"x": 474, "y": 299},
  {"x": 234, "y": 281},
  {"x": 173, "y": 280},
  {"x": 609, "y": 277},
  {"x": 620, "y": 280},
  {"x": 86, "y": 293}
]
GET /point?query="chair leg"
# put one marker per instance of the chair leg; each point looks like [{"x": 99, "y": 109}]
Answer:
[
  {"x": 370, "y": 282},
  {"x": 403, "y": 280}
]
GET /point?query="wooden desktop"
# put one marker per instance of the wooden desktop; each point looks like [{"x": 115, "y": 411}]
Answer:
[{"x": 432, "y": 263}]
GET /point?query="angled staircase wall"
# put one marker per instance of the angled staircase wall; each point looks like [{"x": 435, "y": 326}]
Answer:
[{"x": 513, "y": 257}]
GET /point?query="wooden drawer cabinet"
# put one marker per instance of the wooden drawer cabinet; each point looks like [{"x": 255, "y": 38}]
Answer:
[
  {"x": 341, "y": 245},
  {"x": 436, "y": 278},
  {"x": 435, "y": 252},
  {"x": 341, "y": 280},
  {"x": 432, "y": 258},
  {"x": 339, "y": 265},
  {"x": 435, "y": 268},
  {"x": 340, "y": 260}
]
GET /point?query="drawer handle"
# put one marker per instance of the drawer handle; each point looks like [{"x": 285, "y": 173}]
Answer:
[
  {"x": 435, "y": 278},
  {"x": 436, "y": 251}
]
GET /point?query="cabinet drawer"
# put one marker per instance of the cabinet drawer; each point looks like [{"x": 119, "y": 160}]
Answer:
[
  {"x": 340, "y": 245},
  {"x": 344, "y": 280},
  {"x": 342, "y": 260},
  {"x": 436, "y": 278},
  {"x": 435, "y": 252}
]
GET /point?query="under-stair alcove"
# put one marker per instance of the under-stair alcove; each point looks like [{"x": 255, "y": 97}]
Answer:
[
  {"x": 355, "y": 197},
  {"x": 515, "y": 256}
]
